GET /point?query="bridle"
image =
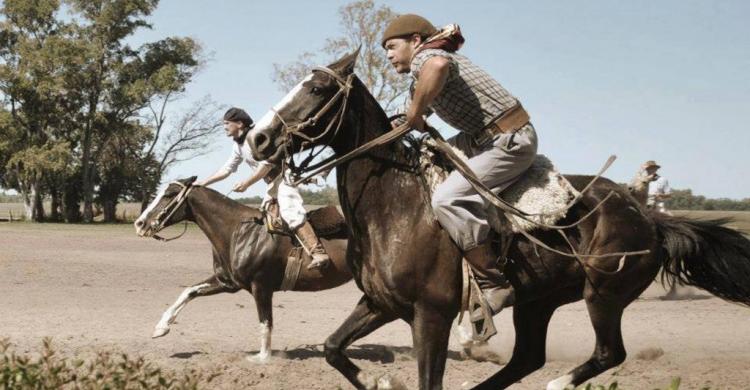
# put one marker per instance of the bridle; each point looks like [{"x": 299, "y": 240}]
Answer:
[
  {"x": 296, "y": 130},
  {"x": 168, "y": 211}
]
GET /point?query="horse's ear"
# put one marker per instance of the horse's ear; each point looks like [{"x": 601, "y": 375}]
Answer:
[
  {"x": 188, "y": 181},
  {"x": 345, "y": 65}
]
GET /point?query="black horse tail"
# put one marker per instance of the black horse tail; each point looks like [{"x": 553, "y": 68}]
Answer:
[{"x": 705, "y": 254}]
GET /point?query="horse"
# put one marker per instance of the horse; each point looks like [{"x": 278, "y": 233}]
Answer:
[
  {"x": 408, "y": 268},
  {"x": 261, "y": 271}
]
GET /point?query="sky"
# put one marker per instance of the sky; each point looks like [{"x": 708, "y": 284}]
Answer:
[{"x": 644, "y": 80}]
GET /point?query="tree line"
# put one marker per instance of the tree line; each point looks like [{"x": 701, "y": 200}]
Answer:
[{"x": 85, "y": 118}]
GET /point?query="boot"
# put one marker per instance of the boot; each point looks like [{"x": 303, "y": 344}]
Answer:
[
  {"x": 489, "y": 276},
  {"x": 312, "y": 246}
]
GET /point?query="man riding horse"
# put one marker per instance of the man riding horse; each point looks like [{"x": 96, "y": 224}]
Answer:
[
  {"x": 495, "y": 133},
  {"x": 237, "y": 123}
]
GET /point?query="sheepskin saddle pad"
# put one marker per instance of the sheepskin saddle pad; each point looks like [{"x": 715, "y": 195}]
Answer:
[{"x": 541, "y": 191}]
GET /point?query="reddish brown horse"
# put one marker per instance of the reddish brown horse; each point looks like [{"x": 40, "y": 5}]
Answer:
[
  {"x": 409, "y": 269},
  {"x": 259, "y": 270}
]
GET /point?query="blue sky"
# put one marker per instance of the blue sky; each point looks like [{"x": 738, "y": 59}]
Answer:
[{"x": 662, "y": 80}]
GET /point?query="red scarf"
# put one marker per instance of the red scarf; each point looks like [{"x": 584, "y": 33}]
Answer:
[{"x": 449, "y": 38}]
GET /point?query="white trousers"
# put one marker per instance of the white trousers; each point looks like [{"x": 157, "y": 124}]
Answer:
[{"x": 290, "y": 202}]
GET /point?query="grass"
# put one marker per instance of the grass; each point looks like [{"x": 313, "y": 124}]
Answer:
[{"x": 107, "y": 370}]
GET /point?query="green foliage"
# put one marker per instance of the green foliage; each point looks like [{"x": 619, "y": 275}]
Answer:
[
  {"x": 106, "y": 371},
  {"x": 326, "y": 196},
  {"x": 685, "y": 200},
  {"x": 72, "y": 92},
  {"x": 674, "y": 385}
]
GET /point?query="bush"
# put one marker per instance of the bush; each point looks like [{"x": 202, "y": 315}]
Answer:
[{"x": 106, "y": 371}]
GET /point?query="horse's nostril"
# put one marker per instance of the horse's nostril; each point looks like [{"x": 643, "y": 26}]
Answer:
[
  {"x": 261, "y": 141},
  {"x": 138, "y": 223}
]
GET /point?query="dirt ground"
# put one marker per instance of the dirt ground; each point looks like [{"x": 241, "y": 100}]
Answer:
[{"x": 102, "y": 287}]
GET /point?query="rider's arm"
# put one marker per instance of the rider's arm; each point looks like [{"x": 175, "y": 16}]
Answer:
[
  {"x": 259, "y": 173},
  {"x": 432, "y": 78},
  {"x": 234, "y": 161},
  {"x": 218, "y": 176}
]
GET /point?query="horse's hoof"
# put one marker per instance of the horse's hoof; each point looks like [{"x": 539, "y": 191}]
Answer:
[
  {"x": 369, "y": 382},
  {"x": 386, "y": 382},
  {"x": 259, "y": 358},
  {"x": 158, "y": 332}
]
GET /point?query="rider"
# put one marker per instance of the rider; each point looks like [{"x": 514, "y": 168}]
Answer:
[
  {"x": 237, "y": 123},
  {"x": 495, "y": 133}
]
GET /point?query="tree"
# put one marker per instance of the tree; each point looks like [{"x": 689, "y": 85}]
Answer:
[
  {"x": 363, "y": 24},
  {"x": 30, "y": 85},
  {"x": 190, "y": 135}
]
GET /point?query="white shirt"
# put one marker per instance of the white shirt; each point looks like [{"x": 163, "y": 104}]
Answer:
[
  {"x": 240, "y": 153},
  {"x": 659, "y": 187}
]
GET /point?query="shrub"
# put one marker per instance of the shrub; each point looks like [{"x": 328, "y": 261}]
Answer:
[{"x": 106, "y": 371}]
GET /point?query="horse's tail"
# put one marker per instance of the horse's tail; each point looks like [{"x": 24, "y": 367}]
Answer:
[{"x": 705, "y": 254}]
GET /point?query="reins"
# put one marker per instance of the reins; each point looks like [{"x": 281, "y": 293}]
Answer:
[
  {"x": 304, "y": 172},
  {"x": 170, "y": 209}
]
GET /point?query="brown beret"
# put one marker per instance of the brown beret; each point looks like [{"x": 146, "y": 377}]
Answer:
[{"x": 406, "y": 25}]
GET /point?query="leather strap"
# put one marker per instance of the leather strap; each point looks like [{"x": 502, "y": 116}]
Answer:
[{"x": 512, "y": 120}]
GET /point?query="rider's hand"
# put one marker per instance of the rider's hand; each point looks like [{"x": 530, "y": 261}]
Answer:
[
  {"x": 240, "y": 187},
  {"x": 415, "y": 122}
]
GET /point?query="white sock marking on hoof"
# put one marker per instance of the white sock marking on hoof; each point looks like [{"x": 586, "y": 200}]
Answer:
[
  {"x": 159, "y": 332},
  {"x": 259, "y": 358},
  {"x": 561, "y": 383},
  {"x": 386, "y": 382},
  {"x": 370, "y": 382}
]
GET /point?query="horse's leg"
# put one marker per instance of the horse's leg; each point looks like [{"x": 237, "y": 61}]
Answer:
[
  {"x": 430, "y": 332},
  {"x": 530, "y": 321},
  {"x": 207, "y": 287},
  {"x": 263, "y": 303},
  {"x": 609, "y": 350},
  {"x": 362, "y": 321}
]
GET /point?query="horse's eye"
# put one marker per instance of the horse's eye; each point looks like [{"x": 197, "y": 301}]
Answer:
[{"x": 315, "y": 90}]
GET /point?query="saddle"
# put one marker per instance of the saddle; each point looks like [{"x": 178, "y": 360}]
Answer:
[
  {"x": 541, "y": 191},
  {"x": 253, "y": 235},
  {"x": 327, "y": 221}
]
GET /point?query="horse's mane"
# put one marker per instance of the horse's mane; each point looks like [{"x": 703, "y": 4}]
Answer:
[
  {"x": 407, "y": 149},
  {"x": 231, "y": 202}
]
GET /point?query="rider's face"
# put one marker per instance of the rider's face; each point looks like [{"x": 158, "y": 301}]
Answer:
[
  {"x": 399, "y": 52},
  {"x": 232, "y": 128}
]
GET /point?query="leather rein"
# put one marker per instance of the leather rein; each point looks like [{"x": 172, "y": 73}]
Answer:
[{"x": 304, "y": 171}]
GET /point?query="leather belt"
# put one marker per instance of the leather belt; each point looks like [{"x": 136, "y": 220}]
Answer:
[{"x": 512, "y": 120}]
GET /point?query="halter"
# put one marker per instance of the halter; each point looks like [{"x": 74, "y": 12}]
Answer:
[
  {"x": 169, "y": 211},
  {"x": 289, "y": 131}
]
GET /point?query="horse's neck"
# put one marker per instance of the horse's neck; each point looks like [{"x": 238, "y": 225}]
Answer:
[
  {"x": 217, "y": 216},
  {"x": 371, "y": 183}
]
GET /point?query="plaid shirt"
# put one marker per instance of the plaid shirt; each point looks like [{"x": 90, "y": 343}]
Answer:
[{"x": 471, "y": 99}]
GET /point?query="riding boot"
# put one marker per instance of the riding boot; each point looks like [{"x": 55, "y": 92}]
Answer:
[
  {"x": 489, "y": 275},
  {"x": 312, "y": 246}
]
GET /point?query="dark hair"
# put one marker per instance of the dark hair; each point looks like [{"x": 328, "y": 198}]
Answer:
[{"x": 235, "y": 114}]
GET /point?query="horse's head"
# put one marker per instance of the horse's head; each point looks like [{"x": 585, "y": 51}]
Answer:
[
  {"x": 309, "y": 115},
  {"x": 168, "y": 208}
]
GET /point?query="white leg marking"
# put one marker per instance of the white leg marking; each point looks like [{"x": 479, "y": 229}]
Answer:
[
  {"x": 369, "y": 381},
  {"x": 561, "y": 383},
  {"x": 162, "y": 327},
  {"x": 265, "y": 344}
]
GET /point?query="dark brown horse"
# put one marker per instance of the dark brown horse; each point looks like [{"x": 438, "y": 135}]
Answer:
[
  {"x": 409, "y": 269},
  {"x": 260, "y": 271}
]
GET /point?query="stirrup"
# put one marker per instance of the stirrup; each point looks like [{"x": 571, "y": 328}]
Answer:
[
  {"x": 480, "y": 314},
  {"x": 319, "y": 262}
]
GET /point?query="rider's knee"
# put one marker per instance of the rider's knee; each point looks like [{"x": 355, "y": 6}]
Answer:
[{"x": 440, "y": 201}]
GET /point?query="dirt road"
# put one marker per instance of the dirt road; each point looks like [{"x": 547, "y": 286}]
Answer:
[{"x": 101, "y": 287}]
